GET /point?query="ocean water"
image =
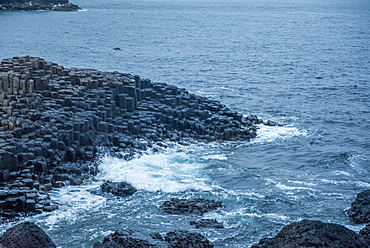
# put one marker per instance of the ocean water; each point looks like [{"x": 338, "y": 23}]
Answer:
[{"x": 305, "y": 64}]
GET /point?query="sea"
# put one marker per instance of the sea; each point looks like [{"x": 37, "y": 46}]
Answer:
[{"x": 302, "y": 63}]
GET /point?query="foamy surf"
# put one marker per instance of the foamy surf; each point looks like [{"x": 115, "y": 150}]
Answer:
[
  {"x": 74, "y": 201},
  {"x": 267, "y": 134},
  {"x": 167, "y": 172}
]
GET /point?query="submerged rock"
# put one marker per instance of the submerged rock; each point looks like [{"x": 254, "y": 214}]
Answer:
[
  {"x": 118, "y": 188},
  {"x": 26, "y": 235},
  {"x": 191, "y": 206},
  {"x": 360, "y": 208},
  {"x": 313, "y": 233},
  {"x": 207, "y": 223}
]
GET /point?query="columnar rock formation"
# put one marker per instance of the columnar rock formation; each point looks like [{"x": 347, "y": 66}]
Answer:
[{"x": 54, "y": 119}]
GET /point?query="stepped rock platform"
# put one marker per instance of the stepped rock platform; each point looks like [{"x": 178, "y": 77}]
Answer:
[{"x": 55, "y": 119}]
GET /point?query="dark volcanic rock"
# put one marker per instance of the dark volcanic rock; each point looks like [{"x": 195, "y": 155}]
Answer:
[
  {"x": 131, "y": 239},
  {"x": 192, "y": 206},
  {"x": 207, "y": 223},
  {"x": 26, "y": 235},
  {"x": 118, "y": 188},
  {"x": 312, "y": 233},
  {"x": 142, "y": 239},
  {"x": 185, "y": 239},
  {"x": 56, "y": 120},
  {"x": 56, "y": 5},
  {"x": 360, "y": 208},
  {"x": 365, "y": 233}
]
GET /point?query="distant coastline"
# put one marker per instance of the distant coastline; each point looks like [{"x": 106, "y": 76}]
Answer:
[{"x": 53, "y": 5}]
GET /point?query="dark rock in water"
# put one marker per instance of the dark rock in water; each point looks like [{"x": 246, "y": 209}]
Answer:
[
  {"x": 132, "y": 239},
  {"x": 365, "y": 233},
  {"x": 56, "y": 5},
  {"x": 207, "y": 223},
  {"x": 118, "y": 188},
  {"x": 192, "y": 206},
  {"x": 271, "y": 123},
  {"x": 313, "y": 233},
  {"x": 185, "y": 239},
  {"x": 360, "y": 208},
  {"x": 26, "y": 235},
  {"x": 142, "y": 239},
  {"x": 66, "y": 7}
]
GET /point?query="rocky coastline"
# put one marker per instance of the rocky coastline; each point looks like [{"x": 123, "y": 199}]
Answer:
[
  {"x": 56, "y": 121},
  {"x": 53, "y": 5}
]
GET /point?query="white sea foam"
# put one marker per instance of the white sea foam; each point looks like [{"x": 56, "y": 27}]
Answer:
[
  {"x": 360, "y": 163},
  {"x": 232, "y": 219},
  {"x": 345, "y": 183},
  {"x": 73, "y": 201},
  {"x": 267, "y": 134},
  {"x": 167, "y": 172},
  {"x": 292, "y": 188},
  {"x": 215, "y": 157}
]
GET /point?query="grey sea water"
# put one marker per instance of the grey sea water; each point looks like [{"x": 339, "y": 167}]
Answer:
[{"x": 305, "y": 64}]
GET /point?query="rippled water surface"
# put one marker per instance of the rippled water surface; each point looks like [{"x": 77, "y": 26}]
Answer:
[{"x": 302, "y": 63}]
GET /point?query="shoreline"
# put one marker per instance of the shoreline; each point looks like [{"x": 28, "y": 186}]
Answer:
[
  {"x": 51, "y": 5},
  {"x": 54, "y": 119}
]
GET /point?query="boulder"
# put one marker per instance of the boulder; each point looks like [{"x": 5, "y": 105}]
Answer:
[
  {"x": 132, "y": 239},
  {"x": 26, "y": 235},
  {"x": 142, "y": 239},
  {"x": 118, "y": 188},
  {"x": 185, "y": 239},
  {"x": 365, "y": 233},
  {"x": 313, "y": 233},
  {"x": 360, "y": 208},
  {"x": 191, "y": 206}
]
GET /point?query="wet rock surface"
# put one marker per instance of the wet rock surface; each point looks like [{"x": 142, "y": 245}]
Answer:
[
  {"x": 191, "y": 206},
  {"x": 54, "y": 5},
  {"x": 118, "y": 188},
  {"x": 141, "y": 239},
  {"x": 131, "y": 238},
  {"x": 360, "y": 208},
  {"x": 207, "y": 223},
  {"x": 26, "y": 234},
  {"x": 55, "y": 120},
  {"x": 185, "y": 239},
  {"x": 312, "y": 233},
  {"x": 365, "y": 233}
]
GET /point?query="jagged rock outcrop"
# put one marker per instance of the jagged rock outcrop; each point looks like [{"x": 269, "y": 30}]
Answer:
[
  {"x": 185, "y": 239},
  {"x": 191, "y": 206},
  {"x": 360, "y": 208},
  {"x": 55, "y": 5},
  {"x": 142, "y": 239},
  {"x": 54, "y": 120},
  {"x": 26, "y": 235},
  {"x": 313, "y": 233},
  {"x": 118, "y": 188},
  {"x": 365, "y": 233}
]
